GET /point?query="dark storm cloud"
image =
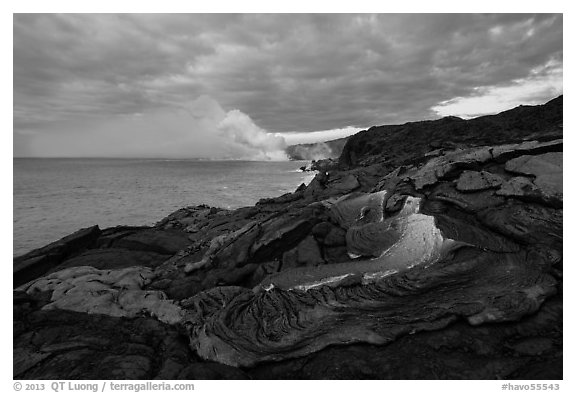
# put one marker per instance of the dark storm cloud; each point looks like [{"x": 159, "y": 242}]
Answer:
[{"x": 287, "y": 72}]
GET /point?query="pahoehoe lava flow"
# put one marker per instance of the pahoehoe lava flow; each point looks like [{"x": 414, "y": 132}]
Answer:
[{"x": 427, "y": 250}]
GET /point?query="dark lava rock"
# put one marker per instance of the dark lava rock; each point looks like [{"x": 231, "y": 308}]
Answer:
[
  {"x": 399, "y": 144},
  {"x": 526, "y": 223},
  {"x": 307, "y": 253},
  {"x": 211, "y": 370},
  {"x": 459, "y": 351},
  {"x": 471, "y": 202},
  {"x": 167, "y": 242},
  {"x": 475, "y": 181},
  {"x": 36, "y": 263},
  {"x": 110, "y": 235},
  {"x": 336, "y": 237},
  {"x": 69, "y": 345},
  {"x": 431, "y": 250},
  {"x": 493, "y": 267},
  {"x": 321, "y": 230},
  {"x": 113, "y": 258},
  {"x": 347, "y": 183}
]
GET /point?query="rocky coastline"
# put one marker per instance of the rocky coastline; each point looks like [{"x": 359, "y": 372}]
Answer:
[{"x": 428, "y": 250}]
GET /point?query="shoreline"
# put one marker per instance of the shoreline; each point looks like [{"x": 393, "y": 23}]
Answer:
[
  {"x": 419, "y": 252},
  {"x": 31, "y": 233}
]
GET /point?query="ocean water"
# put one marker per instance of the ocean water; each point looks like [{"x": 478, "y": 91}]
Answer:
[{"x": 55, "y": 197}]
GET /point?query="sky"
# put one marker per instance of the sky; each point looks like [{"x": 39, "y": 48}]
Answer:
[{"x": 244, "y": 86}]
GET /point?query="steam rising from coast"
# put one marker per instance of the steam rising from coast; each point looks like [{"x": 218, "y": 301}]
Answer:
[
  {"x": 259, "y": 144},
  {"x": 318, "y": 151},
  {"x": 199, "y": 129}
]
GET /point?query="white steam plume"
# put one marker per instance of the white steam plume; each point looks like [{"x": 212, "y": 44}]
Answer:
[
  {"x": 200, "y": 129},
  {"x": 262, "y": 145},
  {"x": 317, "y": 151}
]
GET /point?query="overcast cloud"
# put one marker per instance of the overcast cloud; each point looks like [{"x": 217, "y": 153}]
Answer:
[{"x": 118, "y": 85}]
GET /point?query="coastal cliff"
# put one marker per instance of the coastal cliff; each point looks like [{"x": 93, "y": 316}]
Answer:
[
  {"x": 316, "y": 151},
  {"x": 429, "y": 250}
]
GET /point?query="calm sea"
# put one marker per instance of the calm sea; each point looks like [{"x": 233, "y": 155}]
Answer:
[{"x": 55, "y": 197}]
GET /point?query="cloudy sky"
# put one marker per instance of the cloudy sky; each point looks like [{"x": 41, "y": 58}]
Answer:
[{"x": 244, "y": 86}]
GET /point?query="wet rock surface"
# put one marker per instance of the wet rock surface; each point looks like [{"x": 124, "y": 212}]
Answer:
[{"x": 429, "y": 257}]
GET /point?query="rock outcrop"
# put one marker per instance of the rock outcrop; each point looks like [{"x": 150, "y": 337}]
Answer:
[
  {"x": 37, "y": 262},
  {"x": 316, "y": 151},
  {"x": 434, "y": 251},
  {"x": 117, "y": 293}
]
